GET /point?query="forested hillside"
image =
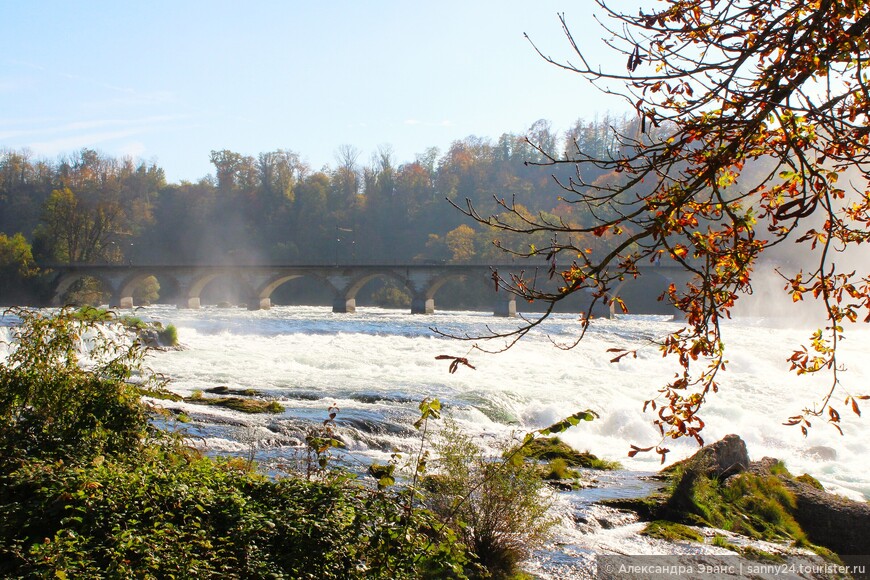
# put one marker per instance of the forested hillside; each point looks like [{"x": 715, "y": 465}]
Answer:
[{"x": 275, "y": 208}]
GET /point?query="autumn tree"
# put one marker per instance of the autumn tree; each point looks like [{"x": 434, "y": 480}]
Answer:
[
  {"x": 751, "y": 130},
  {"x": 460, "y": 242}
]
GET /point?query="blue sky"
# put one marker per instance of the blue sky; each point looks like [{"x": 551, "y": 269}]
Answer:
[{"x": 168, "y": 81}]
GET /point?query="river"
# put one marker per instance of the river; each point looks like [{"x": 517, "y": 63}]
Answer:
[{"x": 377, "y": 365}]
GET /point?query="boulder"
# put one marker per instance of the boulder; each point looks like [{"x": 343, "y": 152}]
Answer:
[
  {"x": 721, "y": 459},
  {"x": 829, "y": 520}
]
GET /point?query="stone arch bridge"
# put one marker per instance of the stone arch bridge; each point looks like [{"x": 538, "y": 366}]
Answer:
[{"x": 422, "y": 281}]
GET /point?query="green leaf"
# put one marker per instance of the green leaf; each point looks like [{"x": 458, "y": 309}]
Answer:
[{"x": 568, "y": 422}]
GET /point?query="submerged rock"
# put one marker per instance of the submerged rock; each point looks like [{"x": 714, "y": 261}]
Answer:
[{"x": 821, "y": 453}]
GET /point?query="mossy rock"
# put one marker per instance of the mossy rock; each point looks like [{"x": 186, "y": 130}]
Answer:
[
  {"x": 558, "y": 469},
  {"x": 756, "y": 505},
  {"x": 252, "y": 406},
  {"x": 647, "y": 508},
  {"x": 811, "y": 481},
  {"x": 160, "y": 393},
  {"x": 551, "y": 448},
  {"x": 671, "y": 532},
  {"x": 224, "y": 390},
  {"x": 766, "y": 502}
]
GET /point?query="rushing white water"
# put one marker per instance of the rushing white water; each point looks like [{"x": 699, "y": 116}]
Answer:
[{"x": 377, "y": 365}]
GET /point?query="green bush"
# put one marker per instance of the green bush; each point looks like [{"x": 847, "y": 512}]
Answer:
[
  {"x": 170, "y": 514},
  {"x": 496, "y": 506},
  {"x": 169, "y": 335},
  {"x": 52, "y": 407},
  {"x": 91, "y": 314}
]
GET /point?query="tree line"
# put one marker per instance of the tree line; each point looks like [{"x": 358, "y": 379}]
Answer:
[{"x": 275, "y": 208}]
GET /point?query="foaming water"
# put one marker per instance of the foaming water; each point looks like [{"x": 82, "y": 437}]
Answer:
[{"x": 377, "y": 365}]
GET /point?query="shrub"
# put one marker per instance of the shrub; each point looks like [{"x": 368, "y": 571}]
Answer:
[
  {"x": 496, "y": 506},
  {"x": 92, "y": 314},
  {"x": 169, "y": 335},
  {"x": 53, "y": 407},
  {"x": 175, "y": 514}
]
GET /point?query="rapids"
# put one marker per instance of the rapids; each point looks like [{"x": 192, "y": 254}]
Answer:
[{"x": 377, "y": 365}]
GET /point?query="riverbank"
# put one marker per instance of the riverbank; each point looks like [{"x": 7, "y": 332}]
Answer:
[{"x": 778, "y": 525}]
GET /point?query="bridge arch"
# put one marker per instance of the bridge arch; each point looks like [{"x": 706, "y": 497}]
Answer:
[
  {"x": 123, "y": 296},
  {"x": 65, "y": 280},
  {"x": 345, "y": 296},
  {"x": 191, "y": 295},
  {"x": 505, "y": 302},
  {"x": 263, "y": 296}
]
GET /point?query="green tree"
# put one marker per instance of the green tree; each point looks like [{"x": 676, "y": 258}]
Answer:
[
  {"x": 17, "y": 270},
  {"x": 309, "y": 230},
  {"x": 751, "y": 130},
  {"x": 24, "y": 186},
  {"x": 74, "y": 230}
]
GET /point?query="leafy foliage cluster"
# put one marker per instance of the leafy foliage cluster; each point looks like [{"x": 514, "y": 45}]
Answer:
[
  {"x": 752, "y": 129},
  {"x": 59, "y": 399},
  {"x": 497, "y": 507},
  {"x": 17, "y": 269}
]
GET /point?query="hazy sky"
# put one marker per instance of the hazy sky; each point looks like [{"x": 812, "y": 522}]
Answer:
[{"x": 168, "y": 81}]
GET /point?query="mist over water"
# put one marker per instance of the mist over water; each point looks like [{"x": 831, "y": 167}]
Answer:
[{"x": 377, "y": 365}]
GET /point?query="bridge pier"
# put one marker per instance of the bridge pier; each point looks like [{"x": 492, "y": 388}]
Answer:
[
  {"x": 343, "y": 305},
  {"x": 192, "y": 303},
  {"x": 422, "y": 305},
  {"x": 257, "y": 303},
  {"x": 126, "y": 302},
  {"x": 602, "y": 309},
  {"x": 506, "y": 308}
]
